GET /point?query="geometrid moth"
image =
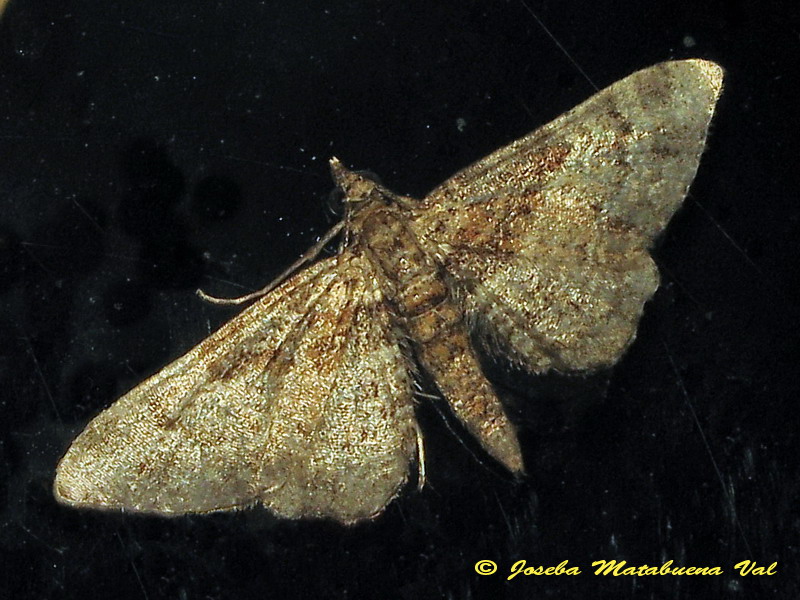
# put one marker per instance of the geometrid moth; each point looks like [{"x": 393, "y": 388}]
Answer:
[{"x": 304, "y": 401}]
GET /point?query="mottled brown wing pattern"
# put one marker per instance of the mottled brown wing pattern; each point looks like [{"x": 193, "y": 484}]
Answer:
[
  {"x": 303, "y": 402},
  {"x": 548, "y": 237},
  {"x": 278, "y": 407}
]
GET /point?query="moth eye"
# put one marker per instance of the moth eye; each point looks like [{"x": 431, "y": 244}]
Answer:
[
  {"x": 367, "y": 174},
  {"x": 336, "y": 197},
  {"x": 374, "y": 178}
]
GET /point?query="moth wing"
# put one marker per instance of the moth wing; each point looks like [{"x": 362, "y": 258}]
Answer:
[
  {"x": 548, "y": 237},
  {"x": 302, "y": 402}
]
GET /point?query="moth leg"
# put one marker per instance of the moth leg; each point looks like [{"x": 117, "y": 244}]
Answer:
[
  {"x": 422, "y": 472},
  {"x": 307, "y": 257}
]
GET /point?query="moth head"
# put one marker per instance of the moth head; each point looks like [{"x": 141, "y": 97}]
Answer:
[{"x": 358, "y": 188}]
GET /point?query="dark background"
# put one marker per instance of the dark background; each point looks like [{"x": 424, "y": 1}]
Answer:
[{"x": 152, "y": 147}]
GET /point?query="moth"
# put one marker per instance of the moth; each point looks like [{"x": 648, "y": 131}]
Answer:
[{"x": 304, "y": 402}]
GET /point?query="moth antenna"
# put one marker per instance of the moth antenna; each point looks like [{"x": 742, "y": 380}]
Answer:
[{"x": 307, "y": 257}]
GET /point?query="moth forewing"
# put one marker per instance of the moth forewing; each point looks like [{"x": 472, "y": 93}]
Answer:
[
  {"x": 303, "y": 402},
  {"x": 562, "y": 275},
  {"x": 278, "y": 407}
]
